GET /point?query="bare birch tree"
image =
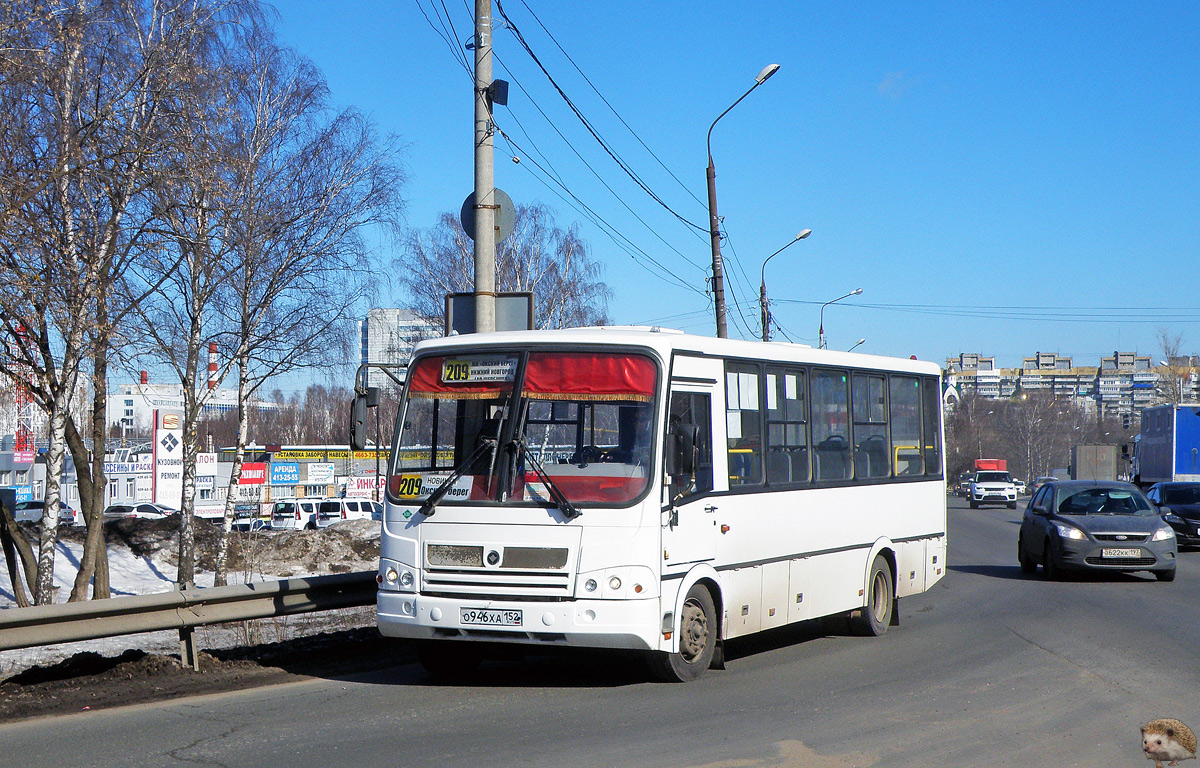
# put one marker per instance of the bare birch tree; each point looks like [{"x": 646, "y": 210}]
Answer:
[
  {"x": 538, "y": 256},
  {"x": 308, "y": 183}
]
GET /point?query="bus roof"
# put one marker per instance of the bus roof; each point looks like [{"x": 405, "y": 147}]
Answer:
[{"x": 665, "y": 341}]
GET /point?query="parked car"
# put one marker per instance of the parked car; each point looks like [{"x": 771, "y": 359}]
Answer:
[
  {"x": 1095, "y": 525},
  {"x": 333, "y": 511},
  {"x": 992, "y": 487},
  {"x": 249, "y": 520},
  {"x": 294, "y": 514},
  {"x": 143, "y": 511},
  {"x": 28, "y": 511},
  {"x": 31, "y": 511},
  {"x": 1179, "y": 504}
]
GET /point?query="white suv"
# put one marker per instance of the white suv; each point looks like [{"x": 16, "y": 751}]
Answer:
[
  {"x": 992, "y": 488},
  {"x": 332, "y": 511},
  {"x": 294, "y": 514}
]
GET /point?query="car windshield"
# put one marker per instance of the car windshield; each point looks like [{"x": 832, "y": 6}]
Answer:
[
  {"x": 578, "y": 425},
  {"x": 1102, "y": 501},
  {"x": 993, "y": 477},
  {"x": 1181, "y": 494}
]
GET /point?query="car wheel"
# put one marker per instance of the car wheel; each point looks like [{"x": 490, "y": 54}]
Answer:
[
  {"x": 974, "y": 504},
  {"x": 1165, "y": 575},
  {"x": 697, "y": 640},
  {"x": 1028, "y": 565},
  {"x": 1050, "y": 569},
  {"x": 1012, "y": 505},
  {"x": 873, "y": 619}
]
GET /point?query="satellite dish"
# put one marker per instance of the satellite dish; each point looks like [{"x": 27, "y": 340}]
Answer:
[{"x": 505, "y": 215}]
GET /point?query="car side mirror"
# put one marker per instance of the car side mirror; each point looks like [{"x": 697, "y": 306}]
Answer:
[{"x": 1164, "y": 510}]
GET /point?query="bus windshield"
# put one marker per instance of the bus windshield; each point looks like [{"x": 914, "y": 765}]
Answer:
[{"x": 577, "y": 424}]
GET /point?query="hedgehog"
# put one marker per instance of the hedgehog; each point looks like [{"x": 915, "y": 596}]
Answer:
[{"x": 1167, "y": 739}]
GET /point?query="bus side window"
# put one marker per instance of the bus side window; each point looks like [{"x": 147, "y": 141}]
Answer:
[
  {"x": 694, "y": 409},
  {"x": 743, "y": 424}
]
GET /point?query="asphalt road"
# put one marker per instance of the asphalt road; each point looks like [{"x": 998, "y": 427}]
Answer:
[{"x": 989, "y": 668}]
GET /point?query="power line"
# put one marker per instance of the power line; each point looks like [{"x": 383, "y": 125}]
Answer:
[
  {"x": 586, "y": 124},
  {"x": 610, "y": 106}
]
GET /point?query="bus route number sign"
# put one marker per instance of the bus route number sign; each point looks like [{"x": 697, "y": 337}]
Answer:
[{"x": 478, "y": 370}]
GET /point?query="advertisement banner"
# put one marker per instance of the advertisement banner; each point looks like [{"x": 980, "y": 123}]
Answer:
[
  {"x": 319, "y": 473},
  {"x": 362, "y": 486},
  {"x": 205, "y": 482},
  {"x": 338, "y": 454},
  {"x": 206, "y": 464},
  {"x": 145, "y": 488},
  {"x": 23, "y": 457},
  {"x": 253, "y": 473},
  {"x": 168, "y": 458},
  {"x": 128, "y": 467},
  {"x": 285, "y": 472},
  {"x": 24, "y": 492}
]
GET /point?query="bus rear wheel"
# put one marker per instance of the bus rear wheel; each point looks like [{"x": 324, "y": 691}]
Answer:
[
  {"x": 697, "y": 640},
  {"x": 873, "y": 619}
]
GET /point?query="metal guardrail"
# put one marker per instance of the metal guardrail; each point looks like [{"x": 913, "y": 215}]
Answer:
[{"x": 183, "y": 610}]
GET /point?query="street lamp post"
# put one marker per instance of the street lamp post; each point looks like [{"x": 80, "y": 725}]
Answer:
[
  {"x": 821, "y": 327},
  {"x": 714, "y": 227},
  {"x": 857, "y": 344},
  {"x": 762, "y": 288}
]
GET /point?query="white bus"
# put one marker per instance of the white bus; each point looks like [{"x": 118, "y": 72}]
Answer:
[{"x": 645, "y": 489}]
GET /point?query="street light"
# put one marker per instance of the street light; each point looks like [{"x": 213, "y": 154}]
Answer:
[
  {"x": 821, "y": 327},
  {"x": 714, "y": 228},
  {"x": 762, "y": 288},
  {"x": 856, "y": 345}
]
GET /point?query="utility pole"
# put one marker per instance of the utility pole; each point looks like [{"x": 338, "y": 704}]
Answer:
[{"x": 485, "y": 207}]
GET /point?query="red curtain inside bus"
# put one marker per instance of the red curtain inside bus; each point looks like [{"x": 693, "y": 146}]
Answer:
[
  {"x": 589, "y": 376},
  {"x": 425, "y": 380}
]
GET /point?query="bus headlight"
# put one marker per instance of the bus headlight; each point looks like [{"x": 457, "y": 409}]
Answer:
[{"x": 622, "y": 583}]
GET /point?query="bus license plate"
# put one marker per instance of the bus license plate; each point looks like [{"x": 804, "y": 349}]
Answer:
[
  {"x": 489, "y": 617},
  {"x": 1121, "y": 553}
]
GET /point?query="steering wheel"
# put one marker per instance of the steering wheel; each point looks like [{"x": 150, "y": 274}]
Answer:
[{"x": 590, "y": 454}]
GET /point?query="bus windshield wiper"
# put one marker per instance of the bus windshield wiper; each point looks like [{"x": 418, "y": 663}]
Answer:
[
  {"x": 440, "y": 492},
  {"x": 569, "y": 510}
]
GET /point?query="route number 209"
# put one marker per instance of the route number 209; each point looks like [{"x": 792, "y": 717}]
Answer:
[
  {"x": 457, "y": 370},
  {"x": 409, "y": 486}
]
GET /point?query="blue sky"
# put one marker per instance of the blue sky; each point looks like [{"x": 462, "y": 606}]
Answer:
[{"x": 997, "y": 178}]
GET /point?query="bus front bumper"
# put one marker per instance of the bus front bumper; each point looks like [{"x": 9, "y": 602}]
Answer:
[{"x": 631, "y": 624}]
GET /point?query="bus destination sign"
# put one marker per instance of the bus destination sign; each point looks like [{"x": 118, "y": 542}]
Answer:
[{"x": 478, "y": 370}]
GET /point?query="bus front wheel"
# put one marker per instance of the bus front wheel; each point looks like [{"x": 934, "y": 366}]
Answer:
[
  {"x": 697, "y": 640},
  {"x": 873, "y": 618}
]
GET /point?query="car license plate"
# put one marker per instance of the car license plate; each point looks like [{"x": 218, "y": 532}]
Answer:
[
  {"x": 1121, "y": 553},
  {"x": 490, "y": 617}
]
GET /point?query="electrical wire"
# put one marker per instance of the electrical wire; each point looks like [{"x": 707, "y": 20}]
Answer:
[
  {"x": 611, "y": 108},
  {"x": 1040, "y": 313},
  {"x": 587, "y": 124}
]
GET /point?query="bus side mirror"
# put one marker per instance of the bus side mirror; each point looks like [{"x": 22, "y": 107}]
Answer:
[
  {"x": 358, "y": 422},
  {"x": 686, "y": 437}
]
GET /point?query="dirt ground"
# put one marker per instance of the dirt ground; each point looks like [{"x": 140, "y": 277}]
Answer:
[
  {"x": 244, "y": 655},
  {"x": 89, "y": 681}
]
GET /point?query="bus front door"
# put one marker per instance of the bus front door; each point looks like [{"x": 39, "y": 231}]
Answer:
[{"x": 689, "y": 525}]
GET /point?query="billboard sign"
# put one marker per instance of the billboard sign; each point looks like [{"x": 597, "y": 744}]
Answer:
[
  {"x": 284, "y": 472},
  {"x": 319, "y": 473},
  {"x": 168, "y": 458},
  {"x": 253, "y": 473}
]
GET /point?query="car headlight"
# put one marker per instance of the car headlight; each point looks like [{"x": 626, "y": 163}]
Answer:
[
  {"x": 1069, "y": 532},
  {"x": 1162, "y": 534}
]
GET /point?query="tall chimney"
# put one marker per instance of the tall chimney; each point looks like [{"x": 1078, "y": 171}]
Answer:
[{"x": 212, "y": 364}]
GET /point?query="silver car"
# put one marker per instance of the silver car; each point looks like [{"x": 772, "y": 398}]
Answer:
[{"x": 1094, "y": 525}]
